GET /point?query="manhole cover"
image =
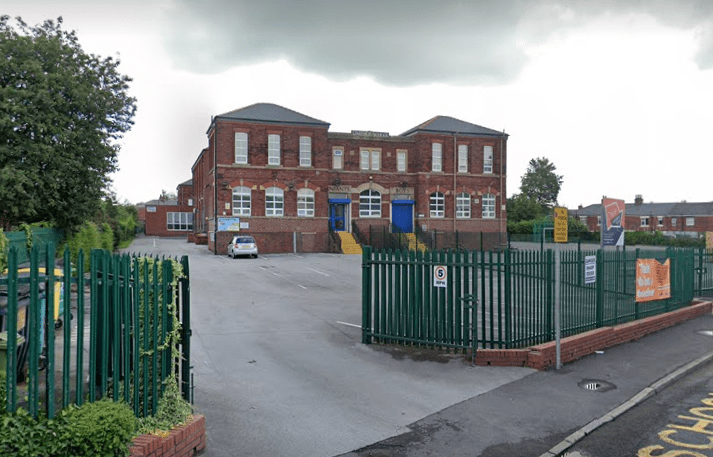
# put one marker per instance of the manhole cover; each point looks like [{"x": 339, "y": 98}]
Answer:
[
  {"x": 596, "y": 385},
  {"x": 706, "y": 332}
]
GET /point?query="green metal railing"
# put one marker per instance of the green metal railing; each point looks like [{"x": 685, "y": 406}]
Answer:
[
  {"x": 121, "y": 349},
  {"x": 704, "y": 271},
  {"x": 504, "y": 299}
]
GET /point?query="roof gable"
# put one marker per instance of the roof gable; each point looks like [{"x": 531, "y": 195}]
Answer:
[
  {"x": 271, "y": 113},
  {"x": 450, "y": 125}
]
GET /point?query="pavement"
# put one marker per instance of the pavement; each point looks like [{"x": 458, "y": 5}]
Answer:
[{"x": 545, "y": 413}]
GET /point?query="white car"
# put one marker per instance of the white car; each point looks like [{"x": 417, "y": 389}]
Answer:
[{"x": 242, "y": 245}]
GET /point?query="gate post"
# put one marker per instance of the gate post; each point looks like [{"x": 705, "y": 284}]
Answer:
[{"x": 366, "y": 295}]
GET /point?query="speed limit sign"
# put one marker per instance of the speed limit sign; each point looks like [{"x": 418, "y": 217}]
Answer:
[{"x": 440, "y": 274}]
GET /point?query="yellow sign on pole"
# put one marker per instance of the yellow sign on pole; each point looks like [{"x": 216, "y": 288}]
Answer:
[{"x": 560, "y": 225}]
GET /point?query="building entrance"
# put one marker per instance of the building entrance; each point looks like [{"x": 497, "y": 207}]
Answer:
[
  {"x": 338, "y": 214},
  {"x": 402, "y": 215}
]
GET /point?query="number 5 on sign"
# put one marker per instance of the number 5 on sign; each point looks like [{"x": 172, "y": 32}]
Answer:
[
  {"x": 440, "y": 275},
  {"x": 560, "y": 224}
]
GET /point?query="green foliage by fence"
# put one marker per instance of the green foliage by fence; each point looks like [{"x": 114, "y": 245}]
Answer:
[
  {"x": 106, "y": 237},
  {"x": 103, "y": 428},
  {"x": 4, "y": 246},
  {"x": 85, "y": 239}
]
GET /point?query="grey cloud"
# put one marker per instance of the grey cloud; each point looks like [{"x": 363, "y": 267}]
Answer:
[{"x": 399, "y": 42}]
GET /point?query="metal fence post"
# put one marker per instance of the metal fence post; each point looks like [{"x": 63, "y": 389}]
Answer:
[{"x": 366, "y": 295}]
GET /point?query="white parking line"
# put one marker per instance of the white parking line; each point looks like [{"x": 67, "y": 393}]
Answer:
[
  {"x": 317, "y": 271},
  {"x": 266, "y": 269},
  {"x": 302, "y": 286},
  {"x": 347, "y": 323}
]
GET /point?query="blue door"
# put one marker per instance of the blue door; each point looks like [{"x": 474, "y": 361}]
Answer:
[
  {"x": 402, "y": 215},
  {"x": 337, "y": 214}
]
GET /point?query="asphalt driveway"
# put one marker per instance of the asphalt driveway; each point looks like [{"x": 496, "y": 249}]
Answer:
[{"x": 279, "y": 368}]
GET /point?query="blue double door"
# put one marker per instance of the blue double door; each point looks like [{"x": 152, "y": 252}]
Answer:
[{"x": 402, "y": 215}]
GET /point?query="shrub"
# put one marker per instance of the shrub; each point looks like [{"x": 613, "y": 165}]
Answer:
[
  {"x": 4, "y": 245},
  {"x": 85, "y": 239},
  {"x": 23, "y": 436},
  {"x": 3, "y": 392},
  {"x": 106, "y": 238},
  {"x": 102, "y": 428}
]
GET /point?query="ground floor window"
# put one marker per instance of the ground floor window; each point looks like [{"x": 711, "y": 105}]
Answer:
[
  {"x": 305, "y": 203},
  {"x": 179, "y": 221},
  {"x": 438, "y": 205},
  {"x": 488, "y": 206},
  {"x": 241, "y": 201},
  {"x": 463, "y": 206},
  {"x": 274, "y": 202},
  {"x": 370, "y": 204}
]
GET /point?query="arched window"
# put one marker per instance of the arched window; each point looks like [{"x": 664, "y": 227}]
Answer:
[
  {"x": 488, "y": 206},
  {"x": 438, "y": 204},
  {"x": 463, "y": 205},
  {"x": 305, "y": 203},
  {"x": 274, "y": 202},
  {"x": 370, "y": 204},
  {"x": 241, "y": 201}
]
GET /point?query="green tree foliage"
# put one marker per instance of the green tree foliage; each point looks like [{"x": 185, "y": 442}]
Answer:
[
  {"x": 540, "y": 182},
  {"x": 523, "y": 208},
  {"x": 61, "y": 113}
]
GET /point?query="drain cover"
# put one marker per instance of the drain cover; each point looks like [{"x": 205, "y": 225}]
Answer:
[
  {"x": 706, "y": 332},
  {"x": 596, "y": 385}
]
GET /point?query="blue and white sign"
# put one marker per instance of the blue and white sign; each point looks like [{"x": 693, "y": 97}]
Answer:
[{"x": 590, "y": 269}]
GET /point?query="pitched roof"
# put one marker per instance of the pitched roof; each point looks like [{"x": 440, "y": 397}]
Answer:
[
  {"x": 271, "y": 113},
  {"x": 654, "y": 209},
  {"x": 186, "y": 183},
  {"x": 450, "y": 125}
]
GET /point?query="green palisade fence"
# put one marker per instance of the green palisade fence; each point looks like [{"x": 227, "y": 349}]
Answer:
[
  {"x": 704, "y": 271},
  {"x": 121, "y": 349},
  {"x": 505, "y": 299}
]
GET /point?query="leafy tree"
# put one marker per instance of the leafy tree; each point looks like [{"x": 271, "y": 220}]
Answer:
[
  {"x": 540, "y": 182},
  {"x": 523, "y": 208},
  {"x": 61, "y": 113}
]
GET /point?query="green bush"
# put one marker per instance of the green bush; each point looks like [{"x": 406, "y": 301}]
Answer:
[
  {"x": 3, "y": 392},
  {"x": 85, "y": 239},
  {"x": 4, "y": 245},
  {"x": 102, "y": 428},
  {"x": 23, "y": 436},
  {"x": 106, "y": 238}
]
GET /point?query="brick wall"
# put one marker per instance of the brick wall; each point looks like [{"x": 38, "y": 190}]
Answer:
[
  {"x": 185, "y": 441},
  {"x": 577, "y": 346}
]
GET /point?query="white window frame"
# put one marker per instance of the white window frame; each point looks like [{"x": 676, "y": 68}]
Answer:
[
  {"x": 305, "y": 203},
  {"x": 401, "y": 160},
  {"x": 274, "y": 202},
  {"x": 599, "y": 220},
  {"x": 273, "y": 149},
  {"x": 463, "y": 205},
  {"x": 462, "y": 158},
  {"x": 241, "y": 148},
  {"x": 644, "y": 221},
  {"x": 370, "y": 159},
  {"x": 660, "y": 221},
  {"x": 487, "y": 159},
  {"x": 179, "y": 222},
  {"x": 690, "y": 221},
  {"x": 437, "y": 205},
  {"x": 338, "y": 158},
  {"x": 305, "y": 151},
  {"x": 583, "y": 219},
  {"x": 488, "y": 206},
  {"x": 673, "y": 221},
  {"x": 241, "y": 205},
  {"x": 436, "y": 157},
  {"x": 369, "y": 203}
]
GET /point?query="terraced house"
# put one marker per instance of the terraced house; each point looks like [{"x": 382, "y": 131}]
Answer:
[{"x": 282, "y": 177}]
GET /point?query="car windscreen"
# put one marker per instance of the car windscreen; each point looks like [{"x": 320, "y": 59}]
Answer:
[{"x": 244, "y": 240}]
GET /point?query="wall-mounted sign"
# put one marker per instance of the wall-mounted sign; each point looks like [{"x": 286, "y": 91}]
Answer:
[
  {"x": 228, "y": 224},
  {"x": 150, "y": 209},
  {"x": 370, "y": 133},
  {"x": 340, "y": 189}
]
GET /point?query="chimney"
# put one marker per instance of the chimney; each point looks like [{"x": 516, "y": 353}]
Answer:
[{"x": 638, "y": 200}]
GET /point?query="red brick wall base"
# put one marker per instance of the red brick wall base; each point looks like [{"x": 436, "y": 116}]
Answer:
[
  {"x": 185, "y": 441},
  {"x": 577, "y": 346}
]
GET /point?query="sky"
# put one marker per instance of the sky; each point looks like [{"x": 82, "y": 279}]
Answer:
[{"x": 617, "y": 94}]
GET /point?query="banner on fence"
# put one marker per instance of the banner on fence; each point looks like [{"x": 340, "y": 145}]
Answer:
[
  {"x": 612, "y": 222},
  {"x": 561, "y": 222},
  {"x": 653, "y": 280},
  {"x": 709, "y": 240}
]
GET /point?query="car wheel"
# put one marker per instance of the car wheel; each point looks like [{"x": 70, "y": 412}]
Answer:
[{"x": 254, "y": 256}]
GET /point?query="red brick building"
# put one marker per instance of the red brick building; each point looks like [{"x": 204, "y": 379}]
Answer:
[
  {"x": 672, "y": 219},
  {"x": 169, "y": 217},
  {"x": 285, "y": 179}
]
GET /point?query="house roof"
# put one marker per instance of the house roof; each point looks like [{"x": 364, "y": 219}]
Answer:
[
  {"x": 186, "y": 183},
  {"x": 271, "y": 113},
  {"x": 681, "y": 209},
  {"x": 450, "y": 125}
]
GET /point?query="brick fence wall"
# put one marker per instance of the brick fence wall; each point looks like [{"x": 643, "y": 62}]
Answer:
[
  {"x": 577, "y": 346},
  {"x": 185, "y": 441}
]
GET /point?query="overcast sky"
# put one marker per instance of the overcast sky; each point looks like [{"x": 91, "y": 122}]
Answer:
[{"x": 617, "y": 94}]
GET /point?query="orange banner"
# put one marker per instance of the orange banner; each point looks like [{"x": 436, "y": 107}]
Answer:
[
  {"x": 709, "y": 240},
  {"x": 653, "y": 280}
]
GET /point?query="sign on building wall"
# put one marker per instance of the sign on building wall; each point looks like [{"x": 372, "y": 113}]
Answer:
[
  {"x": 228, "y": 224},
  {"x": 150, "y": 209},
  {"x": 612, "y": 233},
  {"x": 653, "y": 280}
]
